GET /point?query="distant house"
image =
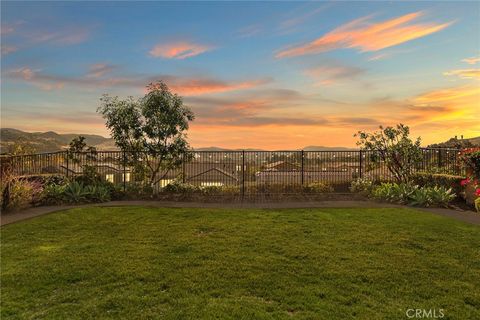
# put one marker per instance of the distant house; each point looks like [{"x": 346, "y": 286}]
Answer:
[
  {"x": 285, "y": 172},
  {"x": 213, "y": 177},
  {"x": 202, "y": 173},
  {"x": 342, "y": 167},
  {"x": 109, "y": 171},
  {"x": 281, "y": 166}
]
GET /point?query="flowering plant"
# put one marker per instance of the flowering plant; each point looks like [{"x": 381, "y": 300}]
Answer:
[
  {"x": 464, "y": 182},
  {"x": 471, "y": 160}
]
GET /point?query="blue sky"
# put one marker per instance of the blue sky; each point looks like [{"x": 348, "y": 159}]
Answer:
[{"x": 257, "y": 74}]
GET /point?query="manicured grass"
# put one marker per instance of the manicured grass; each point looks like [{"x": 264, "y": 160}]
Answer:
[{"x": 145, "y": 263}]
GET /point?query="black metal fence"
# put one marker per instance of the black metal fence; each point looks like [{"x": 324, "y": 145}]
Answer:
[{"x": 243, "y": 172}]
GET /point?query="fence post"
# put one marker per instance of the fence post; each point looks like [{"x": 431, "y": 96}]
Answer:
[
  {"x": 360, "y": 164},
  {"x": 66, "y": 155},
  {"x": 439, "y": 151},
  {"x": 243, "y": 174},
  {"x": 183, "y": 169},
  {"x": 303, "y": 167},
  {"x": 124, "y": 171}
]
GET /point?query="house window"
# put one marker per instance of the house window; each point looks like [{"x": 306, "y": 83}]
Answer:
[
  {"x": 126, "y": 177},
  {"x": 162, "y": 183},
  {"x": 110, "y": 177},
  {"x": 212, "y": 183}
]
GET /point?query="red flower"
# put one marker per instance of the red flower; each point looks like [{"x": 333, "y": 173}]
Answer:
[
  {"x": 464, "y": 182},
  {"x": 477, "y": 192}
]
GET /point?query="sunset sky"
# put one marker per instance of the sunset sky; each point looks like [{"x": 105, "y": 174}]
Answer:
[{"x": 257, "y": 74}]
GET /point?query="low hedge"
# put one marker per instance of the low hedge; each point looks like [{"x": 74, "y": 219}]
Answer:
[{"x": 425, "y": 179}]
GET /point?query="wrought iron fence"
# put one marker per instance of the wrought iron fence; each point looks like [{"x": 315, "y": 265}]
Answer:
[{"x": 244, "y": 172}]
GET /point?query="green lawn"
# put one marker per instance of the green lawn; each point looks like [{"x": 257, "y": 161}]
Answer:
[{"x": 145, "y": 263}]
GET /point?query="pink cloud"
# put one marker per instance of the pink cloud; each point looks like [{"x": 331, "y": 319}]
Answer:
[
  {"x": 6, "y": 29},
  {"x": 331, "y": 74},
  {"x": 68, "y": 36},
  {"x": 96, "y": 77},
  {"x": 472, "y": 60},
  {"x": 99, "y": 70},
  {"x": 365, "y": 36},
  {"x": 8, "y": 49},
  {"x": 178, "y": 50}
]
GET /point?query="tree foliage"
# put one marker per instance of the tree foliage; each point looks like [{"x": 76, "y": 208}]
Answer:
[
  {"x": 393, "y": 147},
  {"x": 78, "y": 146},
  {"x": 21, "y": 147},
  {"x": 154, "y": 125}
]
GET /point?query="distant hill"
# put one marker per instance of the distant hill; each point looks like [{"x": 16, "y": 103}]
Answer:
[
  {"x": 322, "y": 148},
  {"x": 307, "y": 148},
  {"x": 225, "y": 149},
  {"x": 212, "y": 149},
  {"x": 458, "y": 143},
  {"x": 50, "y": 141}
]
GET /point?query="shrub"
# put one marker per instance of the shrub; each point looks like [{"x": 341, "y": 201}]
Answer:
[
  {"x": 393, "y": 148},
  {"x": 19, "y": 194},
  {"x": 54, "y": 180},
  {"x": 230, "y": 190},
  {"x": 419, "y": 198},
  {"x": 414, "y": 195},
  {"x": 211, "y": 190},
  {"x": 394, "y": 192},
  {"x": 471, "y": 160},
  {"x": 441, "y": 196},
  {"x": 97, "y": 193},
  {"x": 477, "y": 204},
  {"x": 136, "y": 190},
  {"x": 278, "y": 188},
  {"x": 425, "y": 179},
  {"x": 75, "y": 192},
  {"x": 180, "y": 187},
  {"x": 89, "y": 176},
  {"x": 318, "y": 187},
  {"x": 362, "y": 185},
  {"x": 54, "y": 194}
]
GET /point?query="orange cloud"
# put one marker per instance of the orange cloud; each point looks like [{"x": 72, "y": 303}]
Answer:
[
  {"x": 457, "y": 111},
  {"x": 189, "y": 87},
  {"x": 464, "y": 73},
  {"x": 471, "y": 60},
  {"x": 178, "y": 50},
  {"x": 450, "y": 94},
  {"x": 366, "y": 36}
]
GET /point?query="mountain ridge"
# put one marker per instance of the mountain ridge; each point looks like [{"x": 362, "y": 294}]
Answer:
[{"x": 51, "y": 141}]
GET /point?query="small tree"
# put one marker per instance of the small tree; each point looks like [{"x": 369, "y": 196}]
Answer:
[
  {"x": 393, "y": 147},
  {"x": 155, "y": 125},
  {"x": 78, "y": 146}
]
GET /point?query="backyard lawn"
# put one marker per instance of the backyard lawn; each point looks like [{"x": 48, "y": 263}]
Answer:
[{"x": 146, "y": 263}]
